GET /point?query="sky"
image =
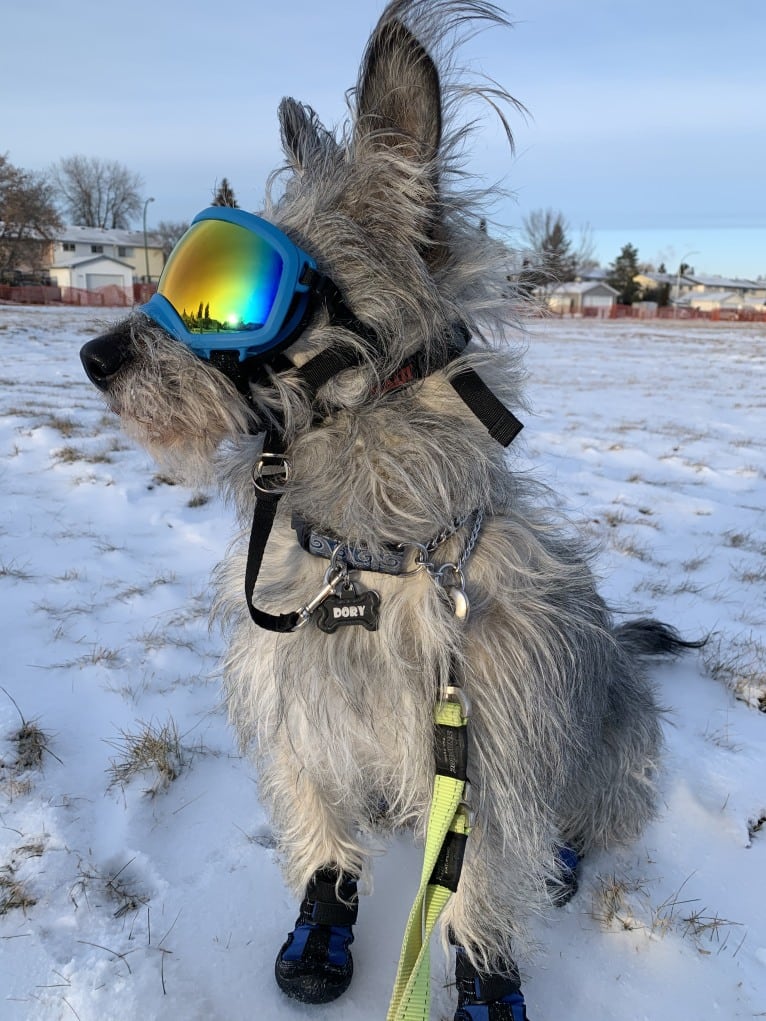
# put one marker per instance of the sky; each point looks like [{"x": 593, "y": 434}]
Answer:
[{"x": 646, "y": 122}]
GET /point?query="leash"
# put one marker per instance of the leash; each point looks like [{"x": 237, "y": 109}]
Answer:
[{"x": 448, "y": 828}]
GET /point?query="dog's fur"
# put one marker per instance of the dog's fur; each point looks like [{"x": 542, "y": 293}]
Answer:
[{"x": 565, "y": 734}]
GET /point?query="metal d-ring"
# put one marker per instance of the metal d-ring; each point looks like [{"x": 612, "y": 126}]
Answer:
[
  {"x": 277, "y": 478},
  {"x": 422, "y": 562}
]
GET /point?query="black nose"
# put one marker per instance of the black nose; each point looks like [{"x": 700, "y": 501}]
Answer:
[{"x": 103, "y": 357}]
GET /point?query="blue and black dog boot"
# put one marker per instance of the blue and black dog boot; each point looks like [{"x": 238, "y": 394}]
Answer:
[
  {"x": 315, "y": 964},
  {"x": 567, "y": 862},
  {"x": 483, "y": 997}
]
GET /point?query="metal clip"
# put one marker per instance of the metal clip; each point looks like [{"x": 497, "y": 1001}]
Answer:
[
  {"x": 334, "y": 576},
  {"x": 454, "y": 693}
]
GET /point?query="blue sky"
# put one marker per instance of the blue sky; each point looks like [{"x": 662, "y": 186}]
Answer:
[{"x": 647, "y": 121}]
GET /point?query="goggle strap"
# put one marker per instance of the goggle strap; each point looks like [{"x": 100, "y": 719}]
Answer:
[
  {"x": 340, "y": 314},
  {"x": 229, "y": 364}
]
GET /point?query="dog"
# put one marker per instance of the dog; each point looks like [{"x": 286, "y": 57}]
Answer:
[{"x": 389, "y": 556}]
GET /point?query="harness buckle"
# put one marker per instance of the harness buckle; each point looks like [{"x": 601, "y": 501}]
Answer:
[{"x": 271, "y": 473}]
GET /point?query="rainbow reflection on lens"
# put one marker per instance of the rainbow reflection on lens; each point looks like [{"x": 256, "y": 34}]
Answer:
[{"x": 222, "y": 278}]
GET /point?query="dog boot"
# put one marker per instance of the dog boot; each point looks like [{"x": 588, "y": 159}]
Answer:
[
  {"x": 315, "y": 964},
  {"x": 567, "y": 860},
  {"x": 483, "y": 997}
]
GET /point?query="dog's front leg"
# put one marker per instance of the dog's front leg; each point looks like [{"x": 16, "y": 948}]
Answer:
[{"x": 321, "y": 857}]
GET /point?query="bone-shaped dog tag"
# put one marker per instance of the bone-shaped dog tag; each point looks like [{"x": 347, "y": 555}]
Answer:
[{"x": 348, "y": 607}]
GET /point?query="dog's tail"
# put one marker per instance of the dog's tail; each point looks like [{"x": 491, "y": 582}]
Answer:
[{"x": 646, "y": 637}]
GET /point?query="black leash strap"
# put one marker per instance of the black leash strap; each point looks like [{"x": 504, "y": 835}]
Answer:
[
  {"x": 269, "y": 478},
  {"x": 267, "y": 497}
]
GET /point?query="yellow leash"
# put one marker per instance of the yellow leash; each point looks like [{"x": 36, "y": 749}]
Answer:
[{"x": 448, "y": 826}]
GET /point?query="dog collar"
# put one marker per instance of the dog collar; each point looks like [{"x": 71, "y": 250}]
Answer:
[{"x": 394, "y": 559}]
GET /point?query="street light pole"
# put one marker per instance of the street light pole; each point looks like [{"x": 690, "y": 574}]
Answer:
[
  {"x": 146, "y": 246},
  {"x": 678, "y": 275}
]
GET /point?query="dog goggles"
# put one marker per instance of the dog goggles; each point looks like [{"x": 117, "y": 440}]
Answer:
[{"x": 234, "y": 282}]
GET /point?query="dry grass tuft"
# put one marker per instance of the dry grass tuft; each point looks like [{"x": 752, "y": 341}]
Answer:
[
  {"x": 198, "y": 500},
  {"x": 155, "y": 751},
  {"x": 755, "y": 825},
  {"x": 119, "y": 887},
  {"x": 30, "y": 741},
  {"x": 740, "y": 664},
  {"x": 31, "y": 744},
  {"x": 611, "y": 902},
  {"x": 624, "y": 902},
  {"x": 13, "y": 892},
  {"x": 12, "y": 570},
  {"x": 71, "y": 455},
  {"x": 64, "y": 424}
]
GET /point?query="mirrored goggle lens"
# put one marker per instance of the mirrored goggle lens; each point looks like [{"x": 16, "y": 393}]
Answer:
[{"x": 222, "y": 278}]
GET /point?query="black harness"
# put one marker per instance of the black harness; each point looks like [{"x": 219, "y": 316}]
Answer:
[{"x": 271, "y": 474}]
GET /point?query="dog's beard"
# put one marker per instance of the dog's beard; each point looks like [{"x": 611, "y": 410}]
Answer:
[{"x": 179, "y": 408}]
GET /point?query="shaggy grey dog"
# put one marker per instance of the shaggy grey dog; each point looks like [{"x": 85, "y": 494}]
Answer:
[{"x": 564, "y": 730}]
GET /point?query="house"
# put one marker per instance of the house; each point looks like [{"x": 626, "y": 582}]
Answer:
[
  {"x": 93, "y": 273},
  {"x": 79, "y": 252},
  {"x": 743, "y": 289},
  {"x": 587, "y": 297},
  {"x": 652, "y": 281},
  {"x": 707, "y": 293},
  {"x": 722, "y": 301}
]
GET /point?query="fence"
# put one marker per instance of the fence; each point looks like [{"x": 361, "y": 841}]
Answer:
[
  {"x": 39, "y": 294},
  {"x": 110, "y": 296},
  {"x": 743, "y": 315}
]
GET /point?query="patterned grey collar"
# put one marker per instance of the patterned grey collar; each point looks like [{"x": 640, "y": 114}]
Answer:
[{"x": 394, "y": 559}]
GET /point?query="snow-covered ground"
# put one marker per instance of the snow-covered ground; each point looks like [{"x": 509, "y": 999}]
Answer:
[{"x": 133, "y": 896}]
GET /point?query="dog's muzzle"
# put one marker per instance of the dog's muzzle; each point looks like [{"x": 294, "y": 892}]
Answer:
[{"x": 103, "y": 357}]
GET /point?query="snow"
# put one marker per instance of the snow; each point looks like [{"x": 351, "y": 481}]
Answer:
[{"x": 169, "y": 904}]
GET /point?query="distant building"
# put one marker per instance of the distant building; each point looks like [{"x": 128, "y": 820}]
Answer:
[
  {"x": 731, "y": 301},
  {"x": 104, "y": 257},
  {"x": 707, "y": 293},
  {"x": 595, "y": 296},
  {"x": 744, "y": 289}
]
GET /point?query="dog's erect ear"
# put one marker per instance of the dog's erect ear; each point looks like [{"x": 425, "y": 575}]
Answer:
[
  {"x": 303, "y": 135},
  {"x": 398, "y": 97}
]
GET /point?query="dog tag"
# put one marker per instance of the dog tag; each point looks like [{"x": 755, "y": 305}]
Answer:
[{"x": 346, "y": 608}]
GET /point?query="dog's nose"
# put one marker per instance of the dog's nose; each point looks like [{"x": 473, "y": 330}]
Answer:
[{"x": 103, "y": 357}]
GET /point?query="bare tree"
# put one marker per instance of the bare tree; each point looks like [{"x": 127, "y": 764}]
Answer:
[
  {"x": 98, "y": 193},
  {"x": 550, "y": 256},
  {"x": 169, "y": 232},
  {"x": 28, "y": 217}
]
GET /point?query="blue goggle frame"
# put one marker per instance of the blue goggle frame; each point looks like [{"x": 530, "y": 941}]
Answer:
[{"x": 234, "y": 282}]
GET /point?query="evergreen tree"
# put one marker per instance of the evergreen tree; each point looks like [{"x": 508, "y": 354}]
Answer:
[
  {"x": 621, "y": 275},
  {"x": 550, "y": 259},
  {"x": 224, "y": 196}
]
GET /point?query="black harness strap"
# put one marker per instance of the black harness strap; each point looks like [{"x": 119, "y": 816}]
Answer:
[{"x": 501, "y": 423}]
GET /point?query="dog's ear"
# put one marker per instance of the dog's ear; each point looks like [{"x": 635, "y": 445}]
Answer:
[
  {"x": 303, "y": 135},
  {"x": 398, "y": 96}
]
